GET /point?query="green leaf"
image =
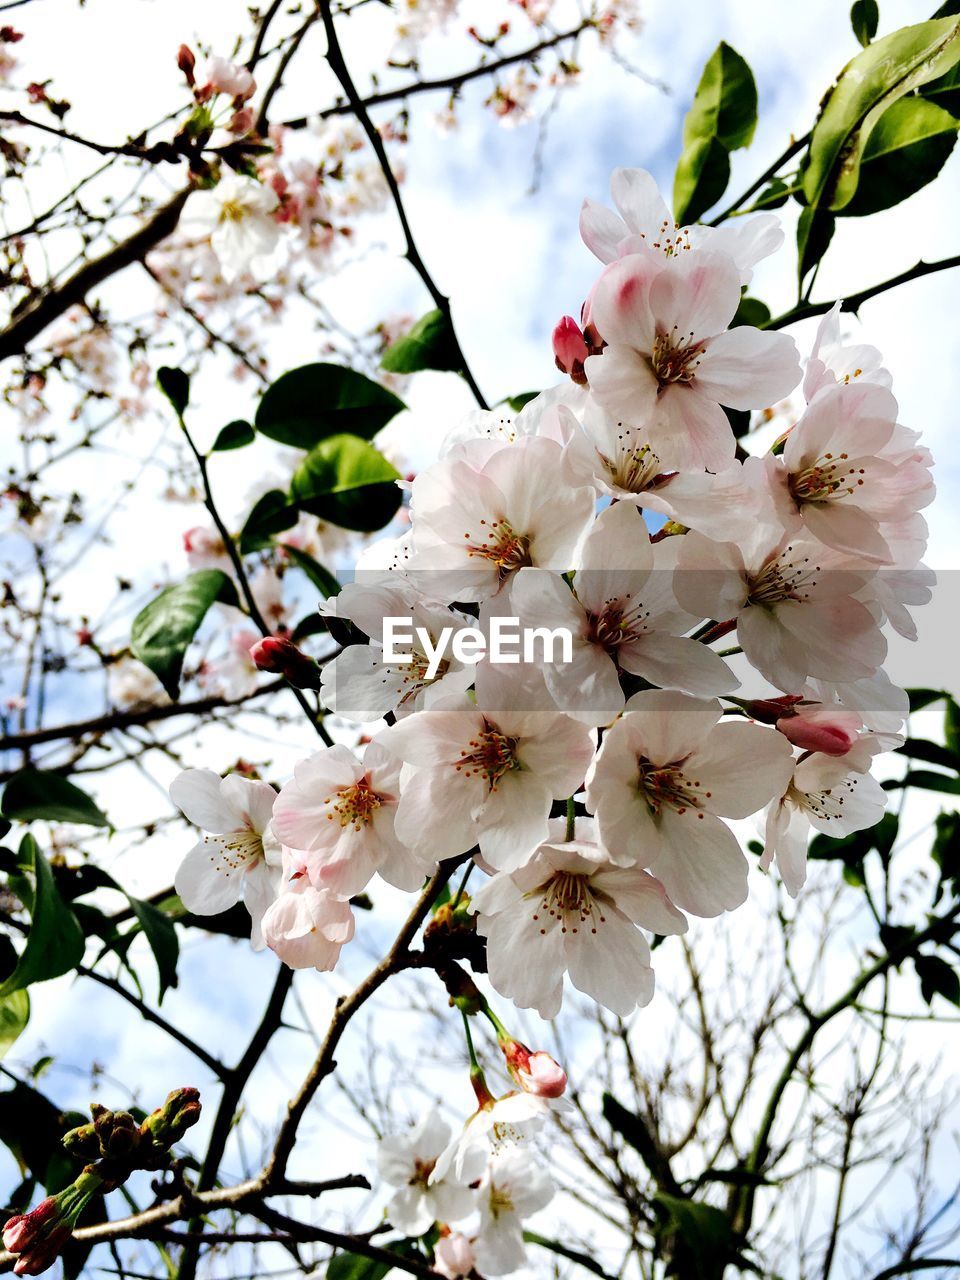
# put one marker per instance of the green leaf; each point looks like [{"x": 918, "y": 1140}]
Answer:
[
  {"x": 946, "y": 848},
  {"x": 815, "y": 230},
  {"x": 937, "y": 978},
  {"x": 164, "y": 628},
  {"x": 868, "y": 86},
  {"x": 517, "y": 402},
  {"x": 864, "y": 18},
  {"x": 161, "y": 936},
  {"x": 951, "y": 727},
  {"x": 318, "y": 400},
  {"x": 722, "y": 119},
  {"x": 36, "y": 793},
  {"x": 703, "y": 1239},
  {"x": 321, "y": 578},
  {"x": 55, "y": 942},
  {"x": 751, "y": 311},
  {"x": 345, "y": 480},
  {"x": 235, "y": 435},
  {"x": 271, "y": 514},
  {"x": 564, "y": 1251},
  {"x": 430, "y": 344},
  {"x": 945, "y": 91},
  {"x": 352, "y": 1266},
  {"x": 175, "y": 385},
  {"x": 920, "y": 698},
  {"x": 925, "y": 780},
  {"x": 930, "y": 753},
  {"x": 14, "y": 1016},
  {"x": 907, "y": 149}
]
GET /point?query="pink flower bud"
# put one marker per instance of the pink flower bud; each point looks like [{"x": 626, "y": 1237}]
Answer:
[
  {"x": 537, "y": 1072},
  {"x": 569, "y": 349},
  {"x": 279, "y": 655},
  {"x": 223, "y": 76},
  {"x": 241, "y": 122},
  {"x": 831, "y": 731},
  {"x": 186, "y": 62},
  {"x": 454, "y": 1256}
]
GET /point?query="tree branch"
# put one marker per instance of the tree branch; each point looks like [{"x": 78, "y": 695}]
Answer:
[{"x": 854, "y": 301}]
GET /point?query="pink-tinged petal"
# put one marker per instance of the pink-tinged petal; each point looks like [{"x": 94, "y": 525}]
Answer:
[
  {"x": 745, "y": 240},
  {"x": 847, "y": 529},
  {"x": 742, "y": 767},
  {"x": 691, "y": 432},
  {"x": 696, "y": 295},
  {"x": 858, "y": 418},
  {"x": 559, "y": 753},
  {"x": 622, "y": 381},
  {"x": 839, "y": 637},
  {"x": 435, "y": 817},
  {"x": 787, "y": 837},
  {"x": 261, "y": 885},
  {"x": 616, "y": 557},
  {"x": 207, "y": 882},
  {"x": 197, "y": 794},
  {"x": 433, "y": 737},
  {"x": 525, "y": 957},
  {"x": 674, "y": 662},
  {"x": 700, "y": 863},
  {"x": 587, "y": 687},
  {"x": 620, "y": 302},
  {"x": 611, "y": 964},
  {"x": 747, "y": 368},
  {"x": 541, "y": 598},
  {"x": 637, "y": 196},
  {"x": 513, "y": 821},
  {"x": 641, "y": 898},
  {"x": 664, "y": 726},
  {"x": 601, "y": 230},
  {"x": 710, "y": 579},
  {"x": 253, "y": 801}
]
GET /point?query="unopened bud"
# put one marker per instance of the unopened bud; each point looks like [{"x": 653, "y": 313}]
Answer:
[
  {"x": 168, "y": 1123},
  {"x": 279, "y": 655},
  {"x": 186, "y": 62},
  {"x": 831, "y": 731},
  {"x": 241, "y": 122},
  {"x": 770, "y": 710},
  {"x": 454, "y": 1256},
  {"x": 536, "y": 1072},
  {"x": 82, "y": 1143},
  {"x": 570, "y": 350}
]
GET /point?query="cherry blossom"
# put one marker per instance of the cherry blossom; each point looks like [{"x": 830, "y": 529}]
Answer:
[
  {"x": 498, "y": 1124},
  {"x": 339, "y": 813},
  {"x": 473, "y": 778},
  {"x": 665, "y": 776},
  {"x": 569, "y": 909},
  {"x": 306, "y": 926},
  {"x": 622, "y": 615},
  {"x": 833, "y": 795},
  {"x": 831, "y": 361},
  {"x": 644, "y": 224},
  {"x": 237, "y": 214},
  {"x": 238, "y": 858},
  {"x": 454, "y": 1256},
  {"x": 794, "y": 601},
  {"x": 671, "y": 360},
  {"x": 407, "y": 1161},
  {"x": 515, "y": 1187},
  {"x": 474, "y": 528}
]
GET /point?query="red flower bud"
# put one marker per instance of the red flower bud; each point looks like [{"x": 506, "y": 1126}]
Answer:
[
  {"x": 770, "y": 710},
  {"x": 569, "y": 349},
  {"x": 186, "y": 62},
  {"x": 536, "y": 1072},
  {"x": 831, "y": 731},
  {"x": 277, "y": 654}
]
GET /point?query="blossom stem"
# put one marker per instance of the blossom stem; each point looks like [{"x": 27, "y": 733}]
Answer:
[
  {"x": 571, "y": 820},
  {"x": 463, "y": 884},
  {"x": 474, "y": 1064}
]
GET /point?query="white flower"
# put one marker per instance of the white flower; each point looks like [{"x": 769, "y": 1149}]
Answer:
[
  {"x": 515, "y": 1186},
  {"x": 828, "y": 793},
  {"x": 501, "y": 1124},
  {"x": 453, "y": 1256},
  {"x": 130, "y": 685},
  {"x": 830, "y": 361},
  {"x": 622, "y": 615},
  {"x": 480, "y": 779},
  {"x": 570, "y": 910},
  {"x": 306, "y": 926},
  {"x": 666, "y": 774},
  {"x": 794, "y": 601},
  {"x": 671, "y": 361},
  {"x": 237, "y": 214},
  {"x": 339, "y": 812},
  {"x": 223, "y": 76},
  {"x": 646, "y": 225},
  {"x": 474, "y": 528},
  {"x": 483, "y": 431},
  {"x": 407, "y": 1161},
  {"x": 238, "y": 857}
]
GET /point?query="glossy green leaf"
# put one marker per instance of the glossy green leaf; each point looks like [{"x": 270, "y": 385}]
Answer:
[
  {"x": 321, "y": 578},
  {"x": 318, "y": 400},
  {"x": 868, "y": 86},
  {"x": 722, "y": 119},
  {"x": 864, "y": 18},
  {"x": 751, "y": 311},
  {"x": 945, "y": 91},
  {"x": 925, "y": 780},
  {"x": 14, "y": 1016},
  {"x": 347, "y": 481},
  {"x": 235, "y": 435},
  {"x": 430, "y": 344},
  {"x": 37, "y": 794},
  {"x": 55, "y": 941},
  {"x": 164, "y": 628},
  {"x": 175, "y": 385},
  {"x": 352, "y": 1266},
  {"x": 518, "y": 401},
  {"x": 920, "y": 698},
  {"x": 907, "y": 149},
  {"x": 271, "y": 514},
  {"x": 161, "y": 936}
]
